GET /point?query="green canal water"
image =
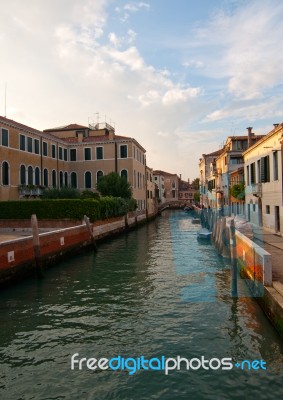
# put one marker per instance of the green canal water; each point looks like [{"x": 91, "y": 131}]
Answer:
[{"x": 152, "y": 292}]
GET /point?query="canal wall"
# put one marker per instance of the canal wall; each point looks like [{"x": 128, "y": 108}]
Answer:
[
  {"x": 248, "y": 260},
  {"x": 18, "y": 257}
]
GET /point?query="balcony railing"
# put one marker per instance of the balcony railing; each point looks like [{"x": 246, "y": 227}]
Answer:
[{"x": 257, "y": 189}]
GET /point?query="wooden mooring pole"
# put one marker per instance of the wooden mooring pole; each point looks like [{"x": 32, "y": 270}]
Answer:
[
  {"x": 86, "y": 219},
  {"x": 234, "y": 271},
  {"x": 36, "y": 247}
]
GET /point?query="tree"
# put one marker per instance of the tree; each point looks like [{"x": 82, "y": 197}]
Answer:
[
  {"x": 196, "y": 197},
  {"x": 195, "y": 183},
  {"x": 238, "y": 191},
  {"x": 114, "y": 185}
]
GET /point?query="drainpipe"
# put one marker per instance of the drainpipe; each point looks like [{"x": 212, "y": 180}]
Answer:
[
  {"x": 41, "y": 163},
  {"x": 116, "y": 158}
]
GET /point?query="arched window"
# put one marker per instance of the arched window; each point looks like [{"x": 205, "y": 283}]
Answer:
[
  {"x": 74, "y": 180},
  {"x": 124, "y": 174},
  {"x": 61, "y": 179},
  {"x": 5, "y": 173},
  {"x": 54, "y": 180},
  {"x": 22, "y": 175},
  {"x": 30, "y": 175},
  {"x": 99, "y": 175},
  {"x": 88, "y": 180},
  {"x": 45, "y": 177},
  {"x": 37, "y": 176},
  {"x": 66, "y": 179}
]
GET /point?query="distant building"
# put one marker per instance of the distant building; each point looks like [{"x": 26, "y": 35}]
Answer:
[
  {"x": 186, "y": 192},
  {"x": 206, "y": 174},
  {"x": 168, "y": 185}
]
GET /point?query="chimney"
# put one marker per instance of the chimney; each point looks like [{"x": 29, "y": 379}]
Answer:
[
  {"x": 80, "y": 136},
  {"x": 275, "y": 125},
  {"x": 250, "y": 134}
]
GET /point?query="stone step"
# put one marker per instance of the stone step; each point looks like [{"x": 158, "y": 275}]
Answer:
[{"x": 278, "y": 286}]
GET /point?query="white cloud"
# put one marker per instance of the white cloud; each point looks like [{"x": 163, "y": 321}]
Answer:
[
  {"x": 193, "y": 64},
  {"x": 178, "y": 95},
  {"x": 243, "y": 47},
  {"x": 136, "y": 6},
  {"x": 113, "y": 38}
]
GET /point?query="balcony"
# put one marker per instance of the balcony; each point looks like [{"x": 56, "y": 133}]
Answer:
[
  {"x": 30, "y": 191},
  {"x": 257, "y": 189}
]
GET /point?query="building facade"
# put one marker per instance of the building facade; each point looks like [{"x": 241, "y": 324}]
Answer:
[
  {"x": 168, "y": 185},
  {"x": 263, "y": 180},
  {"x": 207, "y": 179},
  {"x": 73, "y": 155},
  {"x": 151, "y": 192},
  {"x": 224, "y": 170}
]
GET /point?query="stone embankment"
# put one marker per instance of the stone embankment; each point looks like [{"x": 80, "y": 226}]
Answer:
[
  {"x": 26, "y": 247},
  {"x": 235, "y": 240}
]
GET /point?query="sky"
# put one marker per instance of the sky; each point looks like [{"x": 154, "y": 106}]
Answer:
[{"x": 179, "y": 76}]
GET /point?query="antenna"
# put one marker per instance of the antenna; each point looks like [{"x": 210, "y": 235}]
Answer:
[{"x": 5, "y": 114}]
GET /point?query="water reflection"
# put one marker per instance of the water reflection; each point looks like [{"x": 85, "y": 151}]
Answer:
[{"x": 154, "y": 291}]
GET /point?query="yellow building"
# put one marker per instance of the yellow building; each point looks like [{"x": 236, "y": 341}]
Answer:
[
  {"x": 73, "y": 155},
  {"x": 151, "y": 190},
  {"x": 263, "y": 180}
]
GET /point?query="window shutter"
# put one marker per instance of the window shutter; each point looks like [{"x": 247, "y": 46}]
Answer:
[{"x": 262, "y": 170}]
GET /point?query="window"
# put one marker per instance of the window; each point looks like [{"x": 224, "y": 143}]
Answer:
[
  {"x": 74, "y": 180},
  {"x": 65, "y": 155},
  {"x": 5, "y": 137},
  {"x": 60, "y": 153},
  {"x": 73, "y": 155},
  {"x": 29, "y": 144},
  {"x": 275, "y": 166},
  {"x": 22, "y": 142},
  {"x": 258, "y": 171},
  {"x": 87, "y": 153},
  {"x": 265, "y": 169},
  {"x": 61, "y": 179},
  {"x": 252, "y": 171},
  {"x": 248, "y": 174},
  {"x": 99, "y": 153},
  {"x": 88, "y": 180},
  {"x": 54, "y": 178},
  {"x": 37, "y": 176},
  {"x": 45, "y": 177},
  {"x": 5, "y": 173},
  {"x": 30, "y": 175},
  {"x": 123, "y": 151},
  {"x": 22, "y": 175},
  {"x": 65, "y": 179},
  {"x": 36, "y": 146},
  {"x": 53, "y": 151},
  {"x": 124, "y": 174},
  {"x": 236, "y": 160},
  {"x": 267, "y": 209},
  {"x": 99, "y": 175},
  {"x": 45, "y": 149}
]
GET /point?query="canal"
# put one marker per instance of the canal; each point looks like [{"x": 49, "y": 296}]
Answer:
[{"x": 153, "y": 292}]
